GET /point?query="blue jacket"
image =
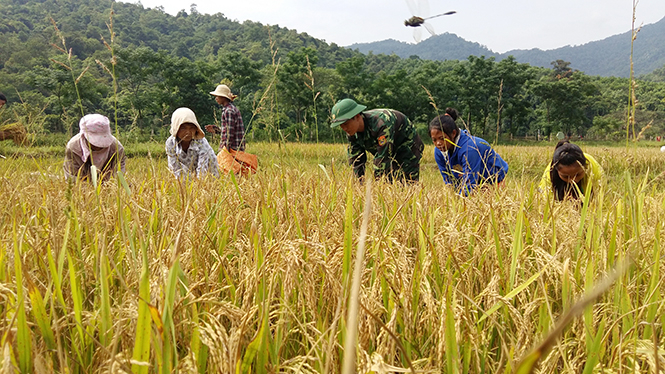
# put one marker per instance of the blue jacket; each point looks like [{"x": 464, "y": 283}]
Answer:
[{"x": 471, "y": 163}]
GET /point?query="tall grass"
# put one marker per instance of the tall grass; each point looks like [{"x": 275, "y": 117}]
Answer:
[
  {"x": 67, "y": 52},
  {"x": 252, "y": 275}
]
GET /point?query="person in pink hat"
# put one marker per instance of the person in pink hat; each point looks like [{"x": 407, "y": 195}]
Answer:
[{"x": 93, "y": 145}]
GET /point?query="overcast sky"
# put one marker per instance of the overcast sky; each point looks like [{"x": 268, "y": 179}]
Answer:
[{"x": 499, "y": 25}]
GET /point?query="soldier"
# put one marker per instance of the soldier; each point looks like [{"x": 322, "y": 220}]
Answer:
[{"x": 385, "y": 133}]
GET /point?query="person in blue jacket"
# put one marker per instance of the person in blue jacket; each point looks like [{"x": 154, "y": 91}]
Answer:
[{"x": 465, "y": 161}]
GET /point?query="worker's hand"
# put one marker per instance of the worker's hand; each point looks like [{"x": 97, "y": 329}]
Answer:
[{"x": 213, "y": 129}]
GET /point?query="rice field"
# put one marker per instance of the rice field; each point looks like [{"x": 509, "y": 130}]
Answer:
[{"x": 149, "y": 275}]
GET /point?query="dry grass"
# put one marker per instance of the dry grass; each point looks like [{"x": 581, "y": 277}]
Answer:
[
  {"x": 248, "y": 275},
  {"x": 14, "y": 132}
]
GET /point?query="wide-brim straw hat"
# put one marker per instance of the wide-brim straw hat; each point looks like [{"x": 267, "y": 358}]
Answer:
[
  {"x": 224, "y": 91},
  {"x": 97, "y": 130},
  {"x": 185, "y": 115}
]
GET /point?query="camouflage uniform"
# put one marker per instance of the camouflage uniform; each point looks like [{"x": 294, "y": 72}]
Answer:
[{"x": 392, "y": 139}]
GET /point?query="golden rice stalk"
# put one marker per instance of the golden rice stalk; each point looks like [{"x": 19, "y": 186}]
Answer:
[
  {"x": 141, "y": 356},
  {"x": 169, "y": 348},
  {"x": 349, "y": 363},
  {"x": 61, "y": 64},
  {"x": 82, "y": 74},
  {"x": 39, "y": 313},
  {"x": 24, "y": 338},
  {"x": 56, "y": 270},
  {"x": 15, "y": 132},
  {"x": 106, "y": 324},
  {"x": 7, "y": 359},
  {"x": 529, "y": 362},
  {"x": 104, "y": 67},
  {"x": 77, "y": 299}
]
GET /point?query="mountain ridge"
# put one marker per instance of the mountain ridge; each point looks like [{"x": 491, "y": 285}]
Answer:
[{"x": 606, "y": 57}]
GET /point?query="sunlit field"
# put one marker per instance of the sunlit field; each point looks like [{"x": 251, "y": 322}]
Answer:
[{"x": 253, "y": 275}]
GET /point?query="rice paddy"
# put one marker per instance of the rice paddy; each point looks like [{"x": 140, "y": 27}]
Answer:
[{"x": 149, "y": 275}]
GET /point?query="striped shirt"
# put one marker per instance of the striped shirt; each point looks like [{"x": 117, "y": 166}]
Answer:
[
  {"x": 198, "y": 161},
  {"x": 233, "y": 130}
]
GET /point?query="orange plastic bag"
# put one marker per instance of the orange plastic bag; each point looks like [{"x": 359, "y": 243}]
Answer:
[{"x": 238, "y": 162}]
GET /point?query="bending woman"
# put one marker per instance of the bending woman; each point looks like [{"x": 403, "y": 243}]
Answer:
[
  {"x": 93, "y": 145},
  {"x": 465, "y": 161},
  {"x": 572, "y": 173},
  {"x": 187, "y": 150}
]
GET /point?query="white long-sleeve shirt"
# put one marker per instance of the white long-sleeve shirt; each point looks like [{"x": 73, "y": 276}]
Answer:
[{"x": 198, "y": 161}]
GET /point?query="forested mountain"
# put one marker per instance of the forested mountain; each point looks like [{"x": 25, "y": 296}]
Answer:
[
  {"x": 192, "y": 35},
  {"x": 60, "y": 59},
  {"x": 607, "y": 57},
  {"x": 441, "y": 47}
]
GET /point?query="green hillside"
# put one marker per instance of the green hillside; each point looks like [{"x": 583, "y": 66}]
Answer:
[
  {"x": 59, "y": 60},
  {"x": 188, "y": 34},
  {"x": 440, "y": 47},
  {"x": 607, "y": 57}
]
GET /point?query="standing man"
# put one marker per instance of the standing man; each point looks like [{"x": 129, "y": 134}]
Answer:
[
  {"x": 385, "y": 133},
  {"x": 231, "y": 126},
  {"x": 232, "y": 156}
]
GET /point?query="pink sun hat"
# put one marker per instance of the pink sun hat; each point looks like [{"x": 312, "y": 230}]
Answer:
[{"x": 97, "y": 130}]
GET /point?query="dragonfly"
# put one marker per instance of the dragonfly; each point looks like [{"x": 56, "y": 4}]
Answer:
[{"x": 419, "y": 11}]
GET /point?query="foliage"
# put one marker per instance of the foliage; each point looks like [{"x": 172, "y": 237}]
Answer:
[{"x": 286, "y": 82}]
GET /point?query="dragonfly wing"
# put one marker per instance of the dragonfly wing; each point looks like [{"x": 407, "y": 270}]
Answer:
[
  {"x": 424, "y": 8},
  {"x": 417, "y": 34},
  {"x": 429, "y": 28},
  {"x": 413, "y": 7}
]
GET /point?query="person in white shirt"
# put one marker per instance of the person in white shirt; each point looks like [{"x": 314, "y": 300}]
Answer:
[{"x": 188, "y": 151}]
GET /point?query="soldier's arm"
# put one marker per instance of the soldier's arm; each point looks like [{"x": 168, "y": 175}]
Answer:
[{"x": 357, "y": 159}]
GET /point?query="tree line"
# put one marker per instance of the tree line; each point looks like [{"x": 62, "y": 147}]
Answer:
[{"x": 135, "y": 65}]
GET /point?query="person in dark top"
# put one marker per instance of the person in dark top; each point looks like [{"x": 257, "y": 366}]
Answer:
[{"x": 231, "y": 127}]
